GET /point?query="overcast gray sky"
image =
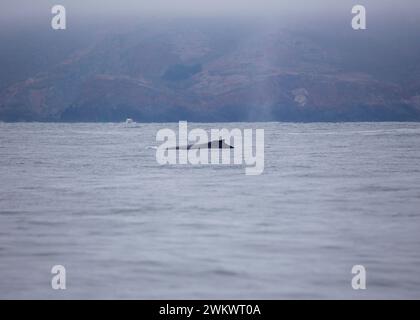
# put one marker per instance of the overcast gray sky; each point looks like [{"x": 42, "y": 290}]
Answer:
[{"x": 18, "y": 9}]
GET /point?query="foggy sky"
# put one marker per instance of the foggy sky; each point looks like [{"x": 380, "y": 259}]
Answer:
[{"x": 18, "y": 10}]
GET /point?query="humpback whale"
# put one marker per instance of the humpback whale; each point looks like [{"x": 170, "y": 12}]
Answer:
[{"x": 216, "y": 144}]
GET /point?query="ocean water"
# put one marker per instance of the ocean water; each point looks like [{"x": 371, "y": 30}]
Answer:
[{"x": 91, "y": 197}]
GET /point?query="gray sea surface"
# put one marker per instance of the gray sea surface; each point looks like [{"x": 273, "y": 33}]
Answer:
[{"x": 92, "y": 197}]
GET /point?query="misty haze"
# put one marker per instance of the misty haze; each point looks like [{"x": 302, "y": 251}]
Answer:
[
  {"x": 296, "y": 64},
  {"x": 85, "y": 195}
]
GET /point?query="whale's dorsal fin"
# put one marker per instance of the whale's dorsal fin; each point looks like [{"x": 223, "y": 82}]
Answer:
[
  {"x": 218, "y": 144},
  {"x": 215, "y": 144}
]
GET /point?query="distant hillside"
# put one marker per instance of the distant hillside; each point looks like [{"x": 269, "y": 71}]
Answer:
[{"x": 213, "y": 72}]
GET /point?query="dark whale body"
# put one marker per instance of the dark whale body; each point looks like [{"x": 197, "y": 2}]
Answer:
[{"x": 217, "y": 144}]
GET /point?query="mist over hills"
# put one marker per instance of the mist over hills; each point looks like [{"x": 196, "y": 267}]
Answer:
[{"x": 210, "y": 70}]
